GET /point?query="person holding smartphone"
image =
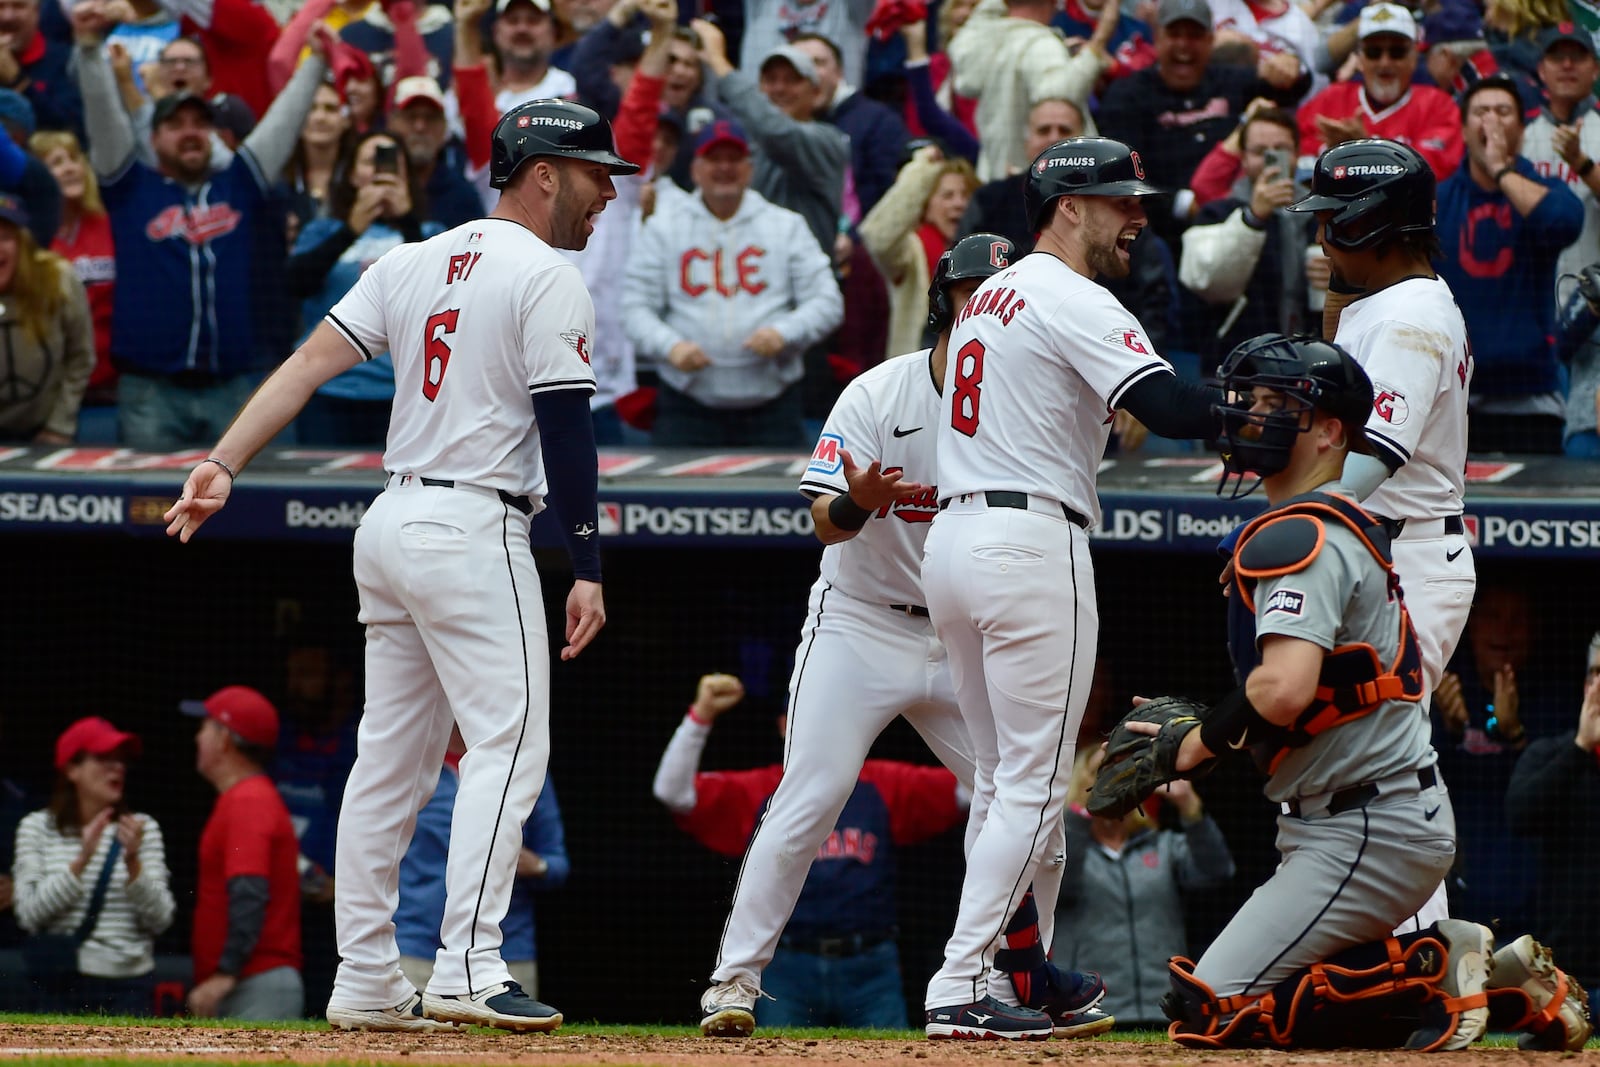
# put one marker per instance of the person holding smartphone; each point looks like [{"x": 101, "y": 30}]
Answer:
[{"x": 374, "y": 204}]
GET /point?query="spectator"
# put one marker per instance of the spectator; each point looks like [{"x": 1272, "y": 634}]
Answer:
[
  {"x": 246, "y": 941},
  {"x": 84, "y": 241},
  {"x": 326, "y": 138},
  {"x": 1184, "y": 91},
  {"x": 181, "y": 68},
  {"x": 36, "y": 67},
  {"x": 1512, "y": 29},
  {"x": 389, "y": 35},
  {"x": 1243, "y": 256},
  {"x": 769, "y": 26},
  {"x": 418, "y": 119},
  {"x": 1384, "y": 102},
  {"x": 1130, "y": 46},
  {"x": 23, "y": 175},
  {"x": 91, "y": 881},
  {"x": 1121, "y": 907},
  {"x": 1282, "y": 37},
  {"x": 799, "y": 162},
  {"x": 376, "y": 204},
  {"x": 925, "y": 113},
  {"x": 1008, "y": 58},
  {"x": 1453, "y": 48},
  {"x": 44, "y": 315},
  {"x": 524, "y": 36},
  {"x": 542, "y": 864},
  {"x": 996, "y": 207},
  {"x": 909, "y": 230},
  {"x": 186, "y": 366},
  {"x": 725, "y": 295},
  {"x": 316, "y": 749},
  {"x": 877, "y": 136},
  {"x": 837, "y": 963},
  {"x": 363, "y": 96},
  {"x": 1502, "y": 226},
  {"x": 236, "y": 35},
  {"x": 1563, "y": 140},
  {"x": 1579, "y": 343},
  {"x": 1555, "y": 784}
]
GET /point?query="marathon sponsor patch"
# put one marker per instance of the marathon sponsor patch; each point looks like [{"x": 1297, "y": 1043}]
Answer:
[
  {"x": 826, "y": 459},
  {"x": 1285, "y": 601},
  {"x": 1390, "y": 404}
]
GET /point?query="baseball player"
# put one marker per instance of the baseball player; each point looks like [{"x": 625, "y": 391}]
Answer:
[
  {"x": 1374, "y": 205},
  {"x": 448, "y": 589},
  {"x": 1040, "y": 359},
  {"x": 1329, "y": 712},
  {"x": 868, "y": 653}
]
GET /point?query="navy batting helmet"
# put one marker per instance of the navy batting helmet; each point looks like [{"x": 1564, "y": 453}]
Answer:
[
  {"x": 1312, "y": 374},
  {"x": 1376, "y": 190},
  {"x": 977, "y": 255},
  {"x": 1082, "y": 166},
  {"x": 552, "y": 128}
]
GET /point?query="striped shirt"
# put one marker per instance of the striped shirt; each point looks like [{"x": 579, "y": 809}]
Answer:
[{"x": 49, "y": 898}]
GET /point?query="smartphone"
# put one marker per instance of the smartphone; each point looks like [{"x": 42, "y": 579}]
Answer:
[
  {"x": 386, "y": 158},
  {"x": 1280, "y": 159}
]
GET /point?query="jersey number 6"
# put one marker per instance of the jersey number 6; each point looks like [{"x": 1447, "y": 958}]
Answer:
[
  {"x": 436, "y": 354},
  {"x": 964, "y": 397}
]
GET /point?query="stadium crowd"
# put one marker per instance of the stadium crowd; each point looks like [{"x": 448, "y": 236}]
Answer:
[{"x": 186, "y": 187}]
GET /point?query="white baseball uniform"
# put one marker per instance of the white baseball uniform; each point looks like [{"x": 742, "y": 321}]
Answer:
[
  {"x": 1412, "y": 341},
  {"x": 867, "y": 653},
  {"x": 477, "y": 319},
  {"x": 1039, "y": 358}
]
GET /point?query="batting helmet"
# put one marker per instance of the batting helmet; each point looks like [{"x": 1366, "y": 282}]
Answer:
[
  {"x": 1312, "y": 374},
  {"x": 552, "y": 128},
  {"x": 1082, "y": 166},
  {"x": 977, "y": 255},
  {"x": 1376, "y": 190}
]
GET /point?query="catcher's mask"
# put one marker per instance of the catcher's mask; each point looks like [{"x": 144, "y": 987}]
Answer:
[{"x": 1311, "y": 375}]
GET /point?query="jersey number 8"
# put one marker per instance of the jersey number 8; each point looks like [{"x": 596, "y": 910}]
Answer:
[{"x": 964, "y": 396}]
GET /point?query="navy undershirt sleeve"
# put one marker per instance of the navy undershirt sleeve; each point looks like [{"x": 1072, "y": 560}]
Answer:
[{"x": 572, "y": 474}]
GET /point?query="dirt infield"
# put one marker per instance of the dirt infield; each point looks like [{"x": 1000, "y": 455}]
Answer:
[{"x": 486, "y": 1048}]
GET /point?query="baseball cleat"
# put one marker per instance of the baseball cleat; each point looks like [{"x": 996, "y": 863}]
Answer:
[
  {"x": 1527, "y": 965},
  {"x": 1071, "y": 999},
  {"x": 988, "y": 1019},
  {"x": 504, "y": 1006},
  {"x": 728, "y": 1009},
  {"x": 406, "y": 1016},
  {"x": 1469, "y": 947}
]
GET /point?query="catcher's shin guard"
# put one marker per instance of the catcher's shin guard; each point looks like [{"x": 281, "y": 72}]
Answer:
[{"x": 1200, "y": 1019}]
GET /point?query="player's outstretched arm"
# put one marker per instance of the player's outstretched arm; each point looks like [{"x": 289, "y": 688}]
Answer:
[
  {"x": 586, "y": 614},
  {"x": 279, "y": 399},
  {"x": 839, "y": 517}
]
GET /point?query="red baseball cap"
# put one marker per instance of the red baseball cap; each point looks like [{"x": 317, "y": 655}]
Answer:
[
  {"x": 241, "y": 709},
  {"x": 95, "y": 736}
]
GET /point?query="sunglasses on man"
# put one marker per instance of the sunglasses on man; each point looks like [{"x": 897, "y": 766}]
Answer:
[{"x": 1377, "y": 51}]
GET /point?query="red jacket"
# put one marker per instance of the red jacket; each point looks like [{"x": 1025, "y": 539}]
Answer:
[
  {"x": 237, "y": 35},
  {"x": 1424, "y": 118}
]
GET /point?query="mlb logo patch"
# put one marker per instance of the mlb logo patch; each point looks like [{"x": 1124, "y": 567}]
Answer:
[
  {"x": 1287, "y": 601},
  {"x": 826, "y": 458},
  {"x": 610, "y": 518}
]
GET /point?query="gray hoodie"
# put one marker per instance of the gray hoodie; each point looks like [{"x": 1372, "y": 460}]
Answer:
[{"x": 694, "y": 277}]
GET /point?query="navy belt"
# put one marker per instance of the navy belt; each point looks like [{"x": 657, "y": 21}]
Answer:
[
  {"x": 1005, "y": 498},
  {"x": 1359, "y": 796},
  {"x": 836, "y": 947},
  {"x": 521, "y": 503},
  {"x": 915, "y": 610}
]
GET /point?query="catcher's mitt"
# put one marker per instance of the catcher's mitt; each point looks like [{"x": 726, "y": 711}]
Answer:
[{"x": 1136, "y": 764}]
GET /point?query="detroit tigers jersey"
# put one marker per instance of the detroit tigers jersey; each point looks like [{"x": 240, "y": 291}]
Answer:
[
  {"x": 473, "y": 318},
  {"x": 887, "y": 414},
  {"x": 1412, "y": 341},
  {"x": 1039, "y": 359}
]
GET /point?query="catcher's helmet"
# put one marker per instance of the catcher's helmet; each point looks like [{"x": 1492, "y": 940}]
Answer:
[
  {"x": 1311, "y": 374},
  {"x": 1376, "y": 190},
  {"x": 552, "y": 128},
  {"x": 977, "y": 255},
  {"x": 1082, "y": 166}
]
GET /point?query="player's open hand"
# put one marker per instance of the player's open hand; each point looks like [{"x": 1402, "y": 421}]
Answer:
[
  {"x": 874, "y": 487},
  {"x": 204, "y": 494},
  {"x": 586, "y": 614}
]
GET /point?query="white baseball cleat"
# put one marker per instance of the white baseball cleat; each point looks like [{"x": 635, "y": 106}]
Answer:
[
  {"x": 1527, "y": 965},
  {"x": 504, "y": 1006},
  {"x": 405, "y": 1016},
  {"x": 1471, "y": 960},
  {"x": 728, "y": 1009}
]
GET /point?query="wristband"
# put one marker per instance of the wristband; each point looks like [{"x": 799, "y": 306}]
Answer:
[
  {"x": 1234, "y": 723},
  {"x": 697, "y": 720},
  {"x": 1509, "y": 168},
  {"x": 232, "y": 477},
  {"x": 846, "y": 514},
  {"x": 1588, "y": 165},
  {"x": 1492, "y": 728}
]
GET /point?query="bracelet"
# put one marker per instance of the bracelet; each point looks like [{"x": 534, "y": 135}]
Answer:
[
  {"x": 232, "y": 477},
  {"x": 1509, "y": 168},
  {"x": 1588, "y": 165},
  {"x": 1492, "y": 728}
]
